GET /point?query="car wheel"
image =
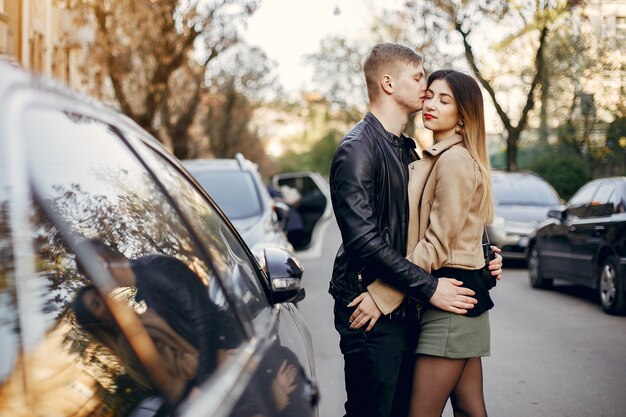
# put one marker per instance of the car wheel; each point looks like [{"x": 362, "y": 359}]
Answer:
[
  {"x": 611, "y": 287},
  {"x": 537, "y": 279}
]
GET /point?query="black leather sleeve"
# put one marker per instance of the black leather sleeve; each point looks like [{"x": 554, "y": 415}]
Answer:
[{"x": 352, "y": 177}]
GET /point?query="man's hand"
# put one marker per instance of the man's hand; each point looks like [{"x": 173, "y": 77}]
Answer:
[
  {"x": 451, "y": 296},
  {"x": 366, "y": 310},
  {"x": 495, "y": 266}
]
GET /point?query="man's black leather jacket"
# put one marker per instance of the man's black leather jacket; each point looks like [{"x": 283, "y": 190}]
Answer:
[{"x": 368, "y": 180}]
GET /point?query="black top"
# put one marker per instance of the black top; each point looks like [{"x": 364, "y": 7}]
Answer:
[{"x": 477, "y": 280}]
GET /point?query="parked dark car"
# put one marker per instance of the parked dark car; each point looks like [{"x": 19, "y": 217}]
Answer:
[
  {"x": 103, "y": 236},
  {"x": 585, "y": 243},
  {"x": 521, "y": 201},
  {"x": 237, "y": 187}
]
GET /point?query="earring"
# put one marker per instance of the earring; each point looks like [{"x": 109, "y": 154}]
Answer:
[{"x": 459, "y": 130}]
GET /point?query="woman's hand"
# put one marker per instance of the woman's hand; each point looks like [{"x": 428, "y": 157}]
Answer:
[
  {"x": 495, "y": 266},
  {"x": 366, "y": 311}
]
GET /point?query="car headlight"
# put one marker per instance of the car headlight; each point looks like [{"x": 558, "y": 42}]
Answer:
[{"x": 497, "y": 229}]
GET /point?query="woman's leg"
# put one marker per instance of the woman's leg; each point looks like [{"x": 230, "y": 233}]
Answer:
[
  {"x": 467, "y": 397},
  {"x": 433, "y": 382}
]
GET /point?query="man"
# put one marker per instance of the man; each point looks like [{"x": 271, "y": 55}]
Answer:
[{"x": 369, "y": 178}]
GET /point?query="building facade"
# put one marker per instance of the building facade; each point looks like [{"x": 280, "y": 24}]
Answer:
[{"x": 42, "y": 36}]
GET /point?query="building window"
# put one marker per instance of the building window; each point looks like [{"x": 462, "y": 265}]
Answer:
[
  {"x": 620, "y": 31},
  {"x": 36, "y": 52},
  {"x": 5, "y": 30},
  {"x": 5, "y": 38}
]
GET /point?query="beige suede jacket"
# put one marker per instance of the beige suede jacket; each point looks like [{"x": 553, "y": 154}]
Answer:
[{"x": 445, "y": 224}]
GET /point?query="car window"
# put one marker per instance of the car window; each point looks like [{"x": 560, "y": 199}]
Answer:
[
  {"x": 603, "y": 202},
  {"x": 580, "y": 202},
  {"x": 234, "y": 191},
  {"x": 123, "y": 306},
  {"x": 523, "y": 191},
  {"x": 236, "y": 266}
]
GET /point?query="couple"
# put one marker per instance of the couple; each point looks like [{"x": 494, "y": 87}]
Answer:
[{"x": 412, "y": 233}]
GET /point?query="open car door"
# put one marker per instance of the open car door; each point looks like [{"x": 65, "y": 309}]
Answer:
[{"x": 310, "y": 212}]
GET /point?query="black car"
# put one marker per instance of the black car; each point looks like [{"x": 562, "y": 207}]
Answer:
[
  {"x": 585, "y": 243},
  {"x": 124, "y": 289}
]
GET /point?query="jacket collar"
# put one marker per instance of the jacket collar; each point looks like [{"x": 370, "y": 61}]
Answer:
[
  {"x": 401, "y": 142},
  {"x": 437, "y": 148}
]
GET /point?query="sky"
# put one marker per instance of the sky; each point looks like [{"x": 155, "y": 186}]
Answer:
[{"x": 289, "y": 29}]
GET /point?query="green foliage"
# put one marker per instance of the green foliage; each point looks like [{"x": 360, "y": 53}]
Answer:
[
  {"x": 566, "y": 171},
  {"x": 317, "y": 158},
  {"x": 616, "y": 136}
]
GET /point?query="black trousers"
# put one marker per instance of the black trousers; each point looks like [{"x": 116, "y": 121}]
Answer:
[{"x": 378, "y": 365}]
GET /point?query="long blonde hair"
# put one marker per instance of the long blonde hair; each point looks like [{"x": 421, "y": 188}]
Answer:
[{"x": 469, "y": 102}]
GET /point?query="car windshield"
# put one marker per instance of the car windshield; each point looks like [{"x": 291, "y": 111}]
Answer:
[
  {"x": 234, "y": 191},
  {"x": 523, "y": 193}
]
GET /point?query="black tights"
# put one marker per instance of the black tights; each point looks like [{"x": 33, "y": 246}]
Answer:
[{"x": 437, "y": 379}]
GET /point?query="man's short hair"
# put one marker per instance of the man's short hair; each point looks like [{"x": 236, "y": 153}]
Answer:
[{"x": 383, "y": 58}]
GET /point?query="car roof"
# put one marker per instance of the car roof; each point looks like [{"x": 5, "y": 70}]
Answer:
[
  {"x": 202, "y": 165},
  {"x": 504, "y": 177},
  {"x": 16, "y": 78},
  {"x": 617, "y": 179},
  {"x": 517, "y": 174}
]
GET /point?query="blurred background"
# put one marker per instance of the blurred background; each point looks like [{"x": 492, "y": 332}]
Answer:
[{"x": 281, "y": 81}]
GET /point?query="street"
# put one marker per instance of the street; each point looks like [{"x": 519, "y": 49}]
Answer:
[{"x": 555, "y": 353}]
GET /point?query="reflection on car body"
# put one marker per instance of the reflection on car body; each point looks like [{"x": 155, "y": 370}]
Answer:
[
  {"x": 72, "y": 171},
  {"x": 585, "y": 243}
]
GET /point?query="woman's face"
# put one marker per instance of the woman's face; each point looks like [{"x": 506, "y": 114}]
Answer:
[
  {"x": 96, "y": 306},
  {"x": 440, "y": 113}
]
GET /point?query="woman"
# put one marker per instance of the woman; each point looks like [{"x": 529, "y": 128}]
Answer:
[{"x": 450, "y": 201}]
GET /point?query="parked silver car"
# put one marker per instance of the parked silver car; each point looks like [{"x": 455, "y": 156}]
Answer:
[
  {"x": 522, "y": 201},
  {"x": 237, "y": 187}
]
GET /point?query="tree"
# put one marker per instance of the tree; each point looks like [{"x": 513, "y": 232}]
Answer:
[
  {"x": 581, "y": 99},
  {"x": 238, "y": 84},
  {"x": 472, "y": 23},
  {"x": 339, "y": 76},
  {"x": 142, "y": 46}
]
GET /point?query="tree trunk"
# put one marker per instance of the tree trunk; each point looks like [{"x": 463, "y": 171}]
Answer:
[
  {"x": 511, "y": 150},
  {"x": 543, "y": 113}
]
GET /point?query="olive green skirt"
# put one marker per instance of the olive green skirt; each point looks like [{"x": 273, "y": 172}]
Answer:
[{"x": 455, "y": 336}]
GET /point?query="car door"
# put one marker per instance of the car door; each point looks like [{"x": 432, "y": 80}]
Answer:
[
  {"x": 559, "y": 259},
  {"x": 280, "y": 325},
  {"x": 79, "y": 181},
  {"x": 586, "y": 235},
  {"x": 577, "y": 217},
  {"x": 314, "y": 208}
]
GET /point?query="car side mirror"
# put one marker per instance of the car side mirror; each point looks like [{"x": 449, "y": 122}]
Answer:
[
  {"x": 560, "y": 214},
  {"x": 285, "y": 275}
]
